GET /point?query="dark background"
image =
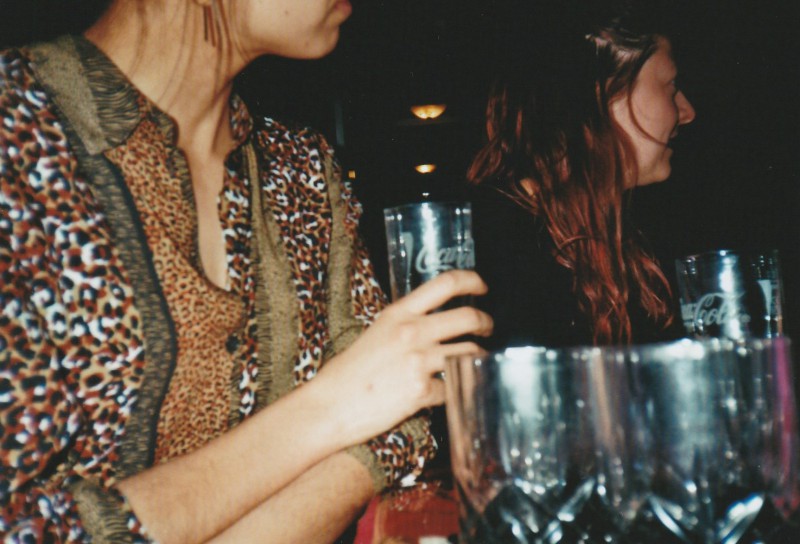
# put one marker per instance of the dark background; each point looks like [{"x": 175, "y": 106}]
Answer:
[{"x": 735, "y": 170}]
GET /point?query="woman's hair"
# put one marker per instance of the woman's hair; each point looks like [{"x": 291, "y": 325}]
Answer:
[{"x": 554, "y": 148}]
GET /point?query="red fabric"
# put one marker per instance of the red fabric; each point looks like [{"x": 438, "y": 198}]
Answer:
[
  {"x": 425, "y": 510},
  {"x": 366, "y": 525}
]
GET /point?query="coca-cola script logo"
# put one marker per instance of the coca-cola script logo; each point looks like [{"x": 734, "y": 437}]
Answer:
[
  {"x": 432, "y": 260},
  {"x": 718, "y": 308}
]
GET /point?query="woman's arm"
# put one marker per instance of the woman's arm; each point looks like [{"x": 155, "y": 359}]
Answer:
[
  {"x": 317, "y": 507},
  {"x": 385, "y": 377}
]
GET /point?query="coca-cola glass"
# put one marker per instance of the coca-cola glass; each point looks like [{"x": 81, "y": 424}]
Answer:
[
  {"x": 425, "y": 239},
  {"x": 731, "y": 294}
]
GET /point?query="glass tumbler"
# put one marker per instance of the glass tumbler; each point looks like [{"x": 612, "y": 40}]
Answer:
[
  {"x": 731, "y": 294},
  {"x": 697, "y": 440},
  {"x": 426, "y": 239},
  {"x": 522, "y": 447}
]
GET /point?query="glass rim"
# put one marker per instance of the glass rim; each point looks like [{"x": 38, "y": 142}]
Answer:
[
  {"x": 449, "y": 204},
  {"x": 726, "y": 252},
  {"x": 690, "y": 346}
]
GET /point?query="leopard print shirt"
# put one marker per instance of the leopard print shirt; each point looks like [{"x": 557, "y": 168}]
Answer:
[{"x": 73, "y": 345}]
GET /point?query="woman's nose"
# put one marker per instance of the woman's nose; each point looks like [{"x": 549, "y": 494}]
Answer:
[{"x": 686, "y": 111}]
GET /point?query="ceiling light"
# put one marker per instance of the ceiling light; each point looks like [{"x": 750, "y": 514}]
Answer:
[
  {"x": 428, "y": 111},
  {"x": 425, "y": 168}
]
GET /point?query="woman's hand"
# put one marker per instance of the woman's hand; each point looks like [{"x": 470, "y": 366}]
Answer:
[{"x": 388, "y": 374}]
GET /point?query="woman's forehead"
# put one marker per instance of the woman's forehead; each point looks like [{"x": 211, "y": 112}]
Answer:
[{"x": 661, "y": 61}]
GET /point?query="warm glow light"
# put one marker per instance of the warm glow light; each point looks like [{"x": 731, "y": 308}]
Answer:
[
  {"x": 351, "y": 174},
  {"x": 425, "y": 168},
  {"x": 428, "y": 111}
]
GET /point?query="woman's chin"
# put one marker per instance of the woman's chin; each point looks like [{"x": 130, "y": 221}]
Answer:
[{"x": 656, "y": 176}]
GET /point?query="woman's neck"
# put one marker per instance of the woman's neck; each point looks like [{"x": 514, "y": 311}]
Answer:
[{"x": 161, "y": 48}]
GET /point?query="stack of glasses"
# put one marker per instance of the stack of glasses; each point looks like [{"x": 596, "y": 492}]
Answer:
[{"x": 693, "y": 441}]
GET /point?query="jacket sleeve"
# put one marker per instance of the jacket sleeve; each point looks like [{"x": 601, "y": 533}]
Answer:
[
  {"x": 302, "y": 173},
  {"x": 67, "y": 372},
  {"x": 399, "y": 455}
]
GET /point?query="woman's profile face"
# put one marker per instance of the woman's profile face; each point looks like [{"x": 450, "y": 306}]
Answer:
[
  {"x": 302, "y": 29},
  {"x": 651, "y": 114}
]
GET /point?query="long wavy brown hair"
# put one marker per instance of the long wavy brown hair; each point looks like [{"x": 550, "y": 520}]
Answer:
[{"x": 554, "y": 148}]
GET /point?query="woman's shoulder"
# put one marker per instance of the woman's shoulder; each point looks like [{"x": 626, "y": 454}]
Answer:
[
  {"x": 490, "y": 203},
  {"x": 498, "y": 216},
  {"x": 30, "y": 129},
  {"x": 530, "y": 294},
  {"x": 489, "y": 197},
  {"x": 510, "y": 241},
  {"x": 19, "y": 65},
  {"x": 16, "y": 74},
  {"x": 299, "y": 160},
  {"x": 26, "y": 98},
  {"x": 290, "y": 138}
]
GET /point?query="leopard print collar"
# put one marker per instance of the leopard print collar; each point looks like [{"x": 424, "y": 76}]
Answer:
[{"x": 101, "y": 102}]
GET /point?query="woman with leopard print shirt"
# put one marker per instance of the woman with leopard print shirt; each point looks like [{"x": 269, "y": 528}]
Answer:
[{"x": 173, "y": 274}]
